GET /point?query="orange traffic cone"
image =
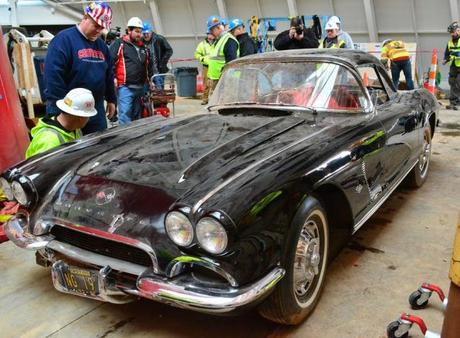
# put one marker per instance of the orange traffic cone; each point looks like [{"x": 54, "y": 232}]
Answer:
[
  {"x": 432, "y": 76},
  {"x": 365, "y": 79}
]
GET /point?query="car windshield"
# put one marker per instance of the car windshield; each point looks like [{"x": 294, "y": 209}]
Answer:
[{"x": 314, "y": 85}]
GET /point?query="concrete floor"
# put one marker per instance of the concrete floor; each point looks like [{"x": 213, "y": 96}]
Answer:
[{"x": 408, "y": 241}]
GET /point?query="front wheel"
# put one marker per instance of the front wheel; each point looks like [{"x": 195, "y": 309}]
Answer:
[
  {"x": 305, "y": 260},
  {"x": 419, "y": 173}
]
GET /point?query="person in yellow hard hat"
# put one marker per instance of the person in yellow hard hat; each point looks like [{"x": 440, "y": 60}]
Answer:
[
  {"x": 75, "y": 110},
  {"x": 202, "y": 53},
  {"x": 395, "y": 52}
]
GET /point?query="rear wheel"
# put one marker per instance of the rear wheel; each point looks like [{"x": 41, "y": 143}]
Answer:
[
  {"x": 305, "y": 260},
  {"x": 419, "y": 173}
]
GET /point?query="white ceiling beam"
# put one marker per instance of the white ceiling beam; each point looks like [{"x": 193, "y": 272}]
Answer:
[
  {"x": 370, "y": 20},
  {"x": 292, "y": 7},
  {"x": 453, "y": 10},
  {"x": 156, "y": 17},
  {"x": 222, "y": 8},
  {"x": 64, "y": 9}
]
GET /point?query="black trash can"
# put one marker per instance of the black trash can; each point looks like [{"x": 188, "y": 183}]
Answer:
[{"x": 186, "y": 81}]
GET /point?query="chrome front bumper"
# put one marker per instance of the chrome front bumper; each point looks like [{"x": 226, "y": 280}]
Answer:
[{"x": 181, "y": 291}]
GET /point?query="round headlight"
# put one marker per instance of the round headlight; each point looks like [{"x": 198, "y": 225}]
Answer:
[
  {"x": 179, "y": 228},
  {"x": 19, "y": 193},
  {"x": 211, "y": 235},
  {"x": 6, "y": 187}
]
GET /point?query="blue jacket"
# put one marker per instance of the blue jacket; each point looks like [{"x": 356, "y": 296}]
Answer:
[{"x": 72, "y": 62}]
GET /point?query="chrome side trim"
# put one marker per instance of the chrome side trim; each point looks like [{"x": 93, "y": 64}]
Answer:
[
  {"x": 182, "y": 293},
  {"x": 382, "y": 200},
  {"x": 14, "y": 229},
  {"x": 252, "y": 166},
  {"x": 177, "y": 265},
  {"x": 89, "y": 257}
]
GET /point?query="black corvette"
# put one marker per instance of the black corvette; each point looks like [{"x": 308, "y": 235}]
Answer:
[{"x": 240, "y": 207}]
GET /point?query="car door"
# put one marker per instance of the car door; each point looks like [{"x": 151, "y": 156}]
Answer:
[{"x": 399, "y": 118}]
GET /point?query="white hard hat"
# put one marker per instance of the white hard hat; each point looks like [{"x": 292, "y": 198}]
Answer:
[
  {"x": 331, "y": 25},
  {"x": 135, "y": 22},
  {"x": 78, "y": 102},
  {"x": 334, "y": 19}
]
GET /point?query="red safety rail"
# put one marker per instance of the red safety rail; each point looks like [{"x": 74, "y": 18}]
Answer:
[{"x": 14, "y": 138}]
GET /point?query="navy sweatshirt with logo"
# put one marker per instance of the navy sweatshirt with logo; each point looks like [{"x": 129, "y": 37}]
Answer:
[{"x": 73, "y": 61}]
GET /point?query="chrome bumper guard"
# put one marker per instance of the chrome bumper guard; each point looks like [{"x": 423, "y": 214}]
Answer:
[
  {"x": 181, "y": 291},
  {"x": 14, "y": 229}
]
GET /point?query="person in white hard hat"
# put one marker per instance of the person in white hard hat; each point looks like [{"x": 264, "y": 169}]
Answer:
[
  {"x": 133, "y": 69},
  {"x": 332, "y": 39},
  {"x": 342, "y": 34},
  {"x": 75, "y": 110}
]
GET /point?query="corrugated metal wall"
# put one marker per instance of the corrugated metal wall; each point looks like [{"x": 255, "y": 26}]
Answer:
[{"x": 184, "y": 21}]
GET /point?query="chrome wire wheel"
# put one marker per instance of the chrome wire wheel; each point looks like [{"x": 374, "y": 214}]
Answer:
[
  {"x": 309, "y": 261},
  {"x": 424, "y": 158}
]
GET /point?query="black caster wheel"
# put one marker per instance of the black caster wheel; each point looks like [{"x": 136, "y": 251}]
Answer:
[
  {"x": 414, "y": 300},
  {"x": 392, "y": 328}
]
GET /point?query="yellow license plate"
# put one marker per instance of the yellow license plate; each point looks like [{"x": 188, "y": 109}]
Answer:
[{"x": 80, "y": 280}]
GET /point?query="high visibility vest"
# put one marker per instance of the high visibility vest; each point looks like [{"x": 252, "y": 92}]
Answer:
[
  {"x": 340, "y": 44},
  {"x": 203, "y": 52},
  {"x": 454, "y": 52},
  {"x": 46, "y": 137},
  {"x": 217, "y": 60},
  {"x": 395, "y": 50}
]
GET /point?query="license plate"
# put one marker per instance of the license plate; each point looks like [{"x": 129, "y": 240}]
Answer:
[{"x": 78, "y": 280}]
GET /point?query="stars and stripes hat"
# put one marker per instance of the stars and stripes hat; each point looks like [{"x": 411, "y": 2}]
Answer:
[{"x": 101, "y": 13}]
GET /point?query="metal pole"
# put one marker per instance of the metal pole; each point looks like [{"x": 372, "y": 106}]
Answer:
[
  {"x": 370, "y": 20},
  {"x": 156, "y": 16},
  {"x": 222, "y": 8},
  {"x": 292, "y": 7},
  {"x": 453, "y": 9},
  {"x": 14, "y": 13}
]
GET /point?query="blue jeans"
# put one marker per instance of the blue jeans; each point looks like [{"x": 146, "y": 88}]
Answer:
[
  {"x": 396, "y": 68},
  {"x": 129, "y": 104}
]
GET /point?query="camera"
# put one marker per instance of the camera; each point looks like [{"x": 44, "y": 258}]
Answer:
[
  {"x": 113, "y": 33},
  {"x": 298, "y": 30}
]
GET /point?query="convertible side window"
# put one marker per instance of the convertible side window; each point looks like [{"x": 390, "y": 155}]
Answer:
[{"x": 373, "y": 83}]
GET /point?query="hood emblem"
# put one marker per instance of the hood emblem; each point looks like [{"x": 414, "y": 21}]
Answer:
[
  {"x": 117, "y": 221},
  {"x": 105, "y": 196}
]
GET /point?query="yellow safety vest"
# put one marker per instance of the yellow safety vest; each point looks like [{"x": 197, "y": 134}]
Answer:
[
  {"x": 217, "y": 60},
  {"x": 340, "y": 44},
  {"x": 203, "y": 51},
  {"x": 395, "y": 50},
  {"x": 454, "y": 51}
]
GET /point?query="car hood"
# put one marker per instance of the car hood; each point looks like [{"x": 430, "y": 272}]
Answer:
[{"x": 125, "y": 186}]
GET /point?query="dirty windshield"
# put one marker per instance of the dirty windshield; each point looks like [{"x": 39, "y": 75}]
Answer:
[{"x": 314, "y": 85}]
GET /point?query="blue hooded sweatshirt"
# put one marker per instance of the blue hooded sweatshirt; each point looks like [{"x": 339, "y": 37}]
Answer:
[{"x": 73, "y": 61}]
